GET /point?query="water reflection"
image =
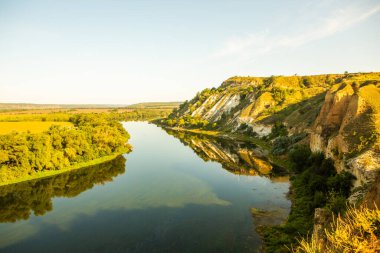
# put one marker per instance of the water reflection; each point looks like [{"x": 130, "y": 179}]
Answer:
[
  {"x": 236, "y": 157},
  {"x": 19, "y": 201},
  {"x": 169, "y": 201}
]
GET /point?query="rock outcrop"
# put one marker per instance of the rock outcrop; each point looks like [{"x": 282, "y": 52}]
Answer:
[
  {"x": 257, "y": 103},
  {"x": 347, "y": 130}
]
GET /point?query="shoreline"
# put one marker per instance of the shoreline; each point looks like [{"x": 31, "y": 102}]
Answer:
[
  {"x": 284, "y": 163},
  {"x": 50, "y": 173}
]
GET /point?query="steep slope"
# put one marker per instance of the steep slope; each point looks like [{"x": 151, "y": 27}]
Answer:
[
  {"x": 347, "y": 129},
  {"x": 256, "y": 103}
]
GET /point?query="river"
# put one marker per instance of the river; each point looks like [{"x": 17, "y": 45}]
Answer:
[{"x": 172, "y": 193}]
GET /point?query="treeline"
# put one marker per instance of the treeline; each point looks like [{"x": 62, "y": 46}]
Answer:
[
  {"x": 112, "y": 114},
  {"x": 188, "y": 121},
  {"x": 316, "y": 184},
  {"x": 139, "y": 114},
  {"x": 93, "y": 136}
]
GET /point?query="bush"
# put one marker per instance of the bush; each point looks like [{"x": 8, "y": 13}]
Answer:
[
  {"x": 299, "y": 157},
  {"x": 279, "y": 129}
]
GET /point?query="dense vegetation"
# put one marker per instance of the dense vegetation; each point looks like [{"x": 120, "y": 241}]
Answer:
[
  {"x": 92, "y": 136},
  {"x": 314, "y": 185}
]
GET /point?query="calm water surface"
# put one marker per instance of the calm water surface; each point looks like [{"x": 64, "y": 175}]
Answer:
[{"x": 162, "y": 198}]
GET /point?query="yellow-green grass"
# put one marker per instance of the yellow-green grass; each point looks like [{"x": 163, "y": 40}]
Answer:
[
  {"x": 31, "y": 126},
  {"x": 371, "y": 94},
  {"x": 50, "y": 173},
  {"x": 57, "y": 117},
  {"x": 356, "y": 231}
]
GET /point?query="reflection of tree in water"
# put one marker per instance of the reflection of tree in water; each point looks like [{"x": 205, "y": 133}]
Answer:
[
  {"x": 235, "y": 156},
  {"x": 17, "y": 201}
]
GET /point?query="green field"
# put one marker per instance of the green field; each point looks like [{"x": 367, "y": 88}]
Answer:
[{"x": 31, "y": 126}]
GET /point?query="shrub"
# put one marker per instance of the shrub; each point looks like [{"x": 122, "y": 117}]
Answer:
[
  {"x": 279, "y": 129},
  {"x": 299, "y": 157}
]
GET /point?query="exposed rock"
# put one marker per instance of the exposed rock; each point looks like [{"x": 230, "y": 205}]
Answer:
[
  {"x": 259, "y": 102},
  {"x": 372, "y": 196},
  {"x": 347, "y": 131}
]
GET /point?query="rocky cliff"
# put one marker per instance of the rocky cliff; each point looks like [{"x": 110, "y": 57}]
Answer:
[
  {"x": 347, "y": 129},
  {"x": 256, "y": 103},
  {"x": 339, "y": 114}
]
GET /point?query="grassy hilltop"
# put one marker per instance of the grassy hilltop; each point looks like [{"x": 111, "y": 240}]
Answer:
[{"x": 254, "y": 101}]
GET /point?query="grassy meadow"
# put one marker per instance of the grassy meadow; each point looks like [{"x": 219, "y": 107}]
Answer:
[{"x": 30, "y": 126}]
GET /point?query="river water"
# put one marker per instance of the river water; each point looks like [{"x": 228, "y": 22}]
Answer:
[{"x": 172, "y": 193}]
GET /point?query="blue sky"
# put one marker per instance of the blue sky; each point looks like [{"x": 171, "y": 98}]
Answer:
[{"x": 123, "y": 52}]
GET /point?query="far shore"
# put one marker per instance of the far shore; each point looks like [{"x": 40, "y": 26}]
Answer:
[
  {"x": 50, "y": 173},
  {"x": 277, "y": 160}
]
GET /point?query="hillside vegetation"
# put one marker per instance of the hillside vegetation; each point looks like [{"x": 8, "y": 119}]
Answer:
[{"x": 258, "y": 102}]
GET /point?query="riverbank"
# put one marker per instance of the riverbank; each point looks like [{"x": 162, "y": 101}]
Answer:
[
  {"x": 276, "y": 160},
  {"x": 50, "y": 173}
]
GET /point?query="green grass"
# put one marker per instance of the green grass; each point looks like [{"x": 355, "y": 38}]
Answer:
[{"x": 29, "y": 126}]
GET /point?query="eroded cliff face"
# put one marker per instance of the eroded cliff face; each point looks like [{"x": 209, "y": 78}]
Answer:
[
  {"x": 256, "y": 103},
  {"x": 347, "y": 130},
  {"x": 234, "y": 109}
]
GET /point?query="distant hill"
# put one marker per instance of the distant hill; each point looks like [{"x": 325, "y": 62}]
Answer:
[
  {"x": 155, "y": 105},
  {"x": 30, "y": 106}
]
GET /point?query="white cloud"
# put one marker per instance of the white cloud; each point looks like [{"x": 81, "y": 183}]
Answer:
[{"x": 259, "y": 44}]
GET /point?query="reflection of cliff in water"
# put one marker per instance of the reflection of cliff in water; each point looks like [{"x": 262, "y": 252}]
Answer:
[
  {"x": 235, "y": 156},
  {"x": 17, "y": 201}
]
